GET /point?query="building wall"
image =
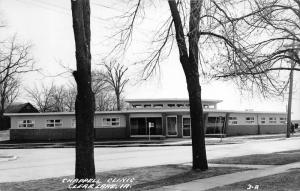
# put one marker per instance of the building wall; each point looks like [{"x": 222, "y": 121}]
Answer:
[
  {"x": 242, "y": 130},
  {"x": 46, "y": 134},
  {"x": 258, "y": 127},
  {"x": 272, "y": 129},
  {"x": 66, "y": 131}
]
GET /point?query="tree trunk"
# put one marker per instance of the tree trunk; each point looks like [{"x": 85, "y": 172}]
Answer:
[
  {"x": 189, "y": 62},
  {"x": 197, "y": 123},
  {"x": 85, "y": 100},
  {"x": 118, "y": 101}
]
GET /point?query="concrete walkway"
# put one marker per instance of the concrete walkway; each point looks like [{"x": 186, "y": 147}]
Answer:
[{"x": 226, "y": 179}]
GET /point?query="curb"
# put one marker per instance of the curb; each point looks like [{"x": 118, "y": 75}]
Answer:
[{"x": 37, "y": 146}]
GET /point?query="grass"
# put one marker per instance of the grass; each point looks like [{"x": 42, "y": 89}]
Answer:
[
  {"x": 288, "y": 181},
  {"x": 278, "y": 158},
  {"x": 145, "y": 178}
]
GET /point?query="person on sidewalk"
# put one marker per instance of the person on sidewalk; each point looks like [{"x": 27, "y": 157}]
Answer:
[{"x": 292, "y": 128}]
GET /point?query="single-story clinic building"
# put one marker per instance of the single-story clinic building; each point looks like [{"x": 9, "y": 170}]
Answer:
[{"x": 161, "y": 118}]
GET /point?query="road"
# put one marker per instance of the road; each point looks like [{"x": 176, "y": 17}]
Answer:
[{"x": 34, "y": 164}]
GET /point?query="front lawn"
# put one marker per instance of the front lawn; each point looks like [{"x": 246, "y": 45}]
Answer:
[
  {"x": 288, "y": 181},
  {"x": 278, "y": 158},
  {"x": 144, "y": 178}
]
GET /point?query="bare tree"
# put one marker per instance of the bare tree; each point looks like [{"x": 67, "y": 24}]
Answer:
[
  {"x": 188, "y": 56},
  {"x": 85, "y": 100},
  {"x": 59, "y": 97},
  {"x": 15, "y": 59},
  {"x": 42, "y": 97},
  {"x": 192, "y": 24},
  {"x": 104, "y": 95},
  {"x": 105, "y": 101},
  {"x": 53, "y": 98},
  {"x": 115, "y": 78},
  {"x": 222, "y": 41},
  {"x": 265, "y": 40},
  {"x": 189, "y": 62},
  {"x": 70, "y": 98},
  {"x": 9, "y": 91}
]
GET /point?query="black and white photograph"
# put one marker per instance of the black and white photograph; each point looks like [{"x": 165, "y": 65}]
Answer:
[{"x": 157, "y": 95}]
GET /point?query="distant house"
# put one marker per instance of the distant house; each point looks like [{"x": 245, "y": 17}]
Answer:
[
  {"x": 16, "y": 108},
  {"x": 21, "y": 108}
]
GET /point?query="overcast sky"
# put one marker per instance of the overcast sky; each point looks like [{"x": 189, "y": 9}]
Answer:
[{"x": 48, "y": 25}]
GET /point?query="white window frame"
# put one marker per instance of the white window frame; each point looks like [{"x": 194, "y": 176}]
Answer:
[
  {"x": 180, "y": 105},
  {"x": 110, "y": 123},
  {"x": 251, "y": 120},
  {"x": 282, "y": 120},
  {"x": 190, "y": 126},
  {"x": 176, "y": 126},
  {"x": 272, "y": 120},
  {"x": 171, "y": 105},
  {"x": 55, "y": 123},
  {"x": 26, "y": 123},
  {"x": 232, "y": 120},
  {"x": 263, "y": 120},
  {"x": 158, "y": 105}
]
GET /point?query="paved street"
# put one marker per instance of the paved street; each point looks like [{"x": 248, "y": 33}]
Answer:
[{"x": 53, "y": 162}]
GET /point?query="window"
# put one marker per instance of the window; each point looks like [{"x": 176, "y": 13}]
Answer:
[
  {"x": 186, "y": 127},
  {"x": 180, "y": 105},
  {"x": 250, "y": 120},
  {"x": 111, "y": 121},
  {"x": 158, "y": 105},
  {"x": 147, "y": 105},
  {"x": 211, "y": 107},
  {"x": 262, "y": 120},
  {"x": 282, "y": 120},
  {"x": 115, "y": 122},
  {"x": 26, "y": 123},
  {"x": 136, "y": 106},
  {"x": 272, "y": 119},
  {"x": 171, "y": 105},
  {"x": 73, "y": 123},
  {"x": 232, "y": 121},
  {"x": 53, "y": 123}
]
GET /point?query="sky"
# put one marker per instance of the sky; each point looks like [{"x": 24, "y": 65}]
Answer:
[{"x": 48, "y": 26}]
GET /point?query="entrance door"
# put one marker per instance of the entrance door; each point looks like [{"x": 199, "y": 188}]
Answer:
[
  {"x": 186, "y": 127},
  {"x": 172, "y": 126}
]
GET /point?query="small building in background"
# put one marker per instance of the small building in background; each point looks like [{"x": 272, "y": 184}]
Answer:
[
  {"x": 21, "y": 108},
  {"x": 157, "y": 118},
  {"x": 15, "y": 108}
]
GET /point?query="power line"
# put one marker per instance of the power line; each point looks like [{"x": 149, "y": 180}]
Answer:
[{"x": 59, "y": 9}]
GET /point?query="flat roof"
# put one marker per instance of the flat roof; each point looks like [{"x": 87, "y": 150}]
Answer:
[
  {"x": 144, "y": 111},
  {"x": 169, "y": 100}
]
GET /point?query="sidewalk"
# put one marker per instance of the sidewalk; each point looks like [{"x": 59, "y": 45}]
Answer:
[
  {"x": 118, "y": 143},
  {"x": 222, "y": 180}
]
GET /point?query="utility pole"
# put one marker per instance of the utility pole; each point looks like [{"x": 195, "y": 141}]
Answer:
[
  {"x": 291, "y": 79},
  {"x": 290, "y": 101}
]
